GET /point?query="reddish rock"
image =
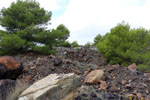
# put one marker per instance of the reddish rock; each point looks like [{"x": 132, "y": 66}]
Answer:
[
  {"x": 133, "y": 66},
  {"x": 94, "y": 76},
  {"x": 139, "y": 95},
  {"x": 103, "y": 85},
  {"x": 9, "y": 68},
  {"x": 128, "y": 85},
  {"x": 123, "y": 82},
  {"x": 68, "y": 61},
  {"x": 78, "y": 72}
]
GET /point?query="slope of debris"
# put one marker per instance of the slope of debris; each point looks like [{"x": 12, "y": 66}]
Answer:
[{"x": 121, "y": 82}]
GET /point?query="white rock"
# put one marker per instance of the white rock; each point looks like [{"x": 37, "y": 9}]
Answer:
[{"x": 56, "y": 86}]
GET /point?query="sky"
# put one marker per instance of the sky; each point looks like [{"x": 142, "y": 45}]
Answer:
[{"x": 87, "y": 18}]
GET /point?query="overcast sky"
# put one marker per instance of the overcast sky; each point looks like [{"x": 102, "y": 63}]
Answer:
[{"x": 87, "y": 18}]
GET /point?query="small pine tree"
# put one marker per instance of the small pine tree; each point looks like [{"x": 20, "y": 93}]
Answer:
[{"x": 25, "y": 23}]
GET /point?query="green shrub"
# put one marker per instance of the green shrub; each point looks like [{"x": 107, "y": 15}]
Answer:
[
  {"x": 42, "y": 49},
  {"x": 74, "y": 44},
  {"x": 11, "y": 44},
  {"x": 125, "y": 46},
  {"x": 65, "y": 44},
  {"x": 144, "y": 68}
]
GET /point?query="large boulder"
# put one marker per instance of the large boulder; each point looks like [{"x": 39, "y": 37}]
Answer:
[
  {"x": 53, "y": 87},
  {"x": 10, "y": 68},
  {"x": 5, "y": 87},
  {"x": 94, "y": 76}
]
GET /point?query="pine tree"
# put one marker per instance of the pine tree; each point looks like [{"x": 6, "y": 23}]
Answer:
[{"x": 25, "y": 24}]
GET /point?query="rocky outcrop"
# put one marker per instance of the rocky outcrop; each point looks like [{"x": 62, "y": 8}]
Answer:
[
  {"x": 94, "y": 76},
  {"x": 59, "y": 87},
  {"x": 5, "y": 87},
  {"x": 10, "y": 68}
]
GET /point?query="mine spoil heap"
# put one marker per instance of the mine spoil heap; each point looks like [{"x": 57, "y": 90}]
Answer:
[{"x": 100, "y": 80}]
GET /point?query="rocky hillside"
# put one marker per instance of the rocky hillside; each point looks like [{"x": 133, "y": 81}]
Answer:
[
  {"x": 117, "y": 82},
  {"x": 67, "y": 60}
]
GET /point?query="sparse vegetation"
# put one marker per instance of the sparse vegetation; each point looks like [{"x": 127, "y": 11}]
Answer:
[{"x": 144, "y": 68}]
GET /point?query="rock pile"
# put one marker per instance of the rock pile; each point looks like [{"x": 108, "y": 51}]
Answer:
[{"x": 118, "y": 82}]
